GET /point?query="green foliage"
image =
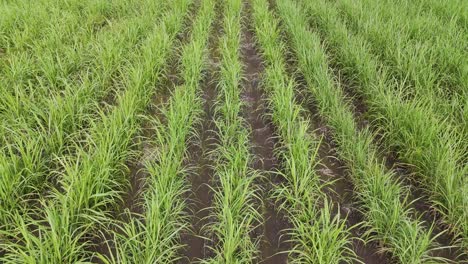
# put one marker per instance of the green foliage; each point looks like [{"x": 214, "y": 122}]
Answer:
[
  {"x": 76, "y": 79},
  {"x": 301, "y": 195},
  {"x": 235, "y": 203},
  {"x": 380, "y": 193},
  {"x": 154, "y": 237},
  {"x": 434, "y": 150},
  {"x": 91, "y": 184}
]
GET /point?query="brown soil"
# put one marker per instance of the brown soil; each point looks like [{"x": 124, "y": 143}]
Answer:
[
  {"x": 332, "y": 169},
  {"x": 131, "y": 199},
  {"x": 342, "y": 192},
  {"x": 273, "y": 244},
  {"x": 202, "y": 178},
  {"x": 361, "y": 115}
]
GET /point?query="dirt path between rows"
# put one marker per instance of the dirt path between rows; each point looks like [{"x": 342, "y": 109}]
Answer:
[
  {"x": 201, "y": 178},
  {"x": 263, "y": 145}
]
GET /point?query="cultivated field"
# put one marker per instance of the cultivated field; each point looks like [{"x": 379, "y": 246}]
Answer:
[{"x": 234, "y": 131}]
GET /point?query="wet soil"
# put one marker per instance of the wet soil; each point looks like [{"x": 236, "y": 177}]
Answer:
[
  {"x": 138, "y": 175},
  {"x": 362, "y": 117},
  {"x": 331, "y": 169},
  {"x": 355, "y": 101},
  {"x": 202, "y": 177},
  {"x": 131, "y": 205},
  {"x": 273, "y": 242},
  {"x": 420, "y": 205},
  {"x": 342, "y": 193}
]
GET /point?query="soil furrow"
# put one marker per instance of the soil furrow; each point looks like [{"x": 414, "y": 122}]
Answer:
[
  {"x": 388, "y": 154},
  {"x": 342, "y": 193},
  {"x": 131, "y": 205},
  {"x": 333, "y": 170},
  {"x": 426, "y": 212},
  {"x": 359, "y": 111},
  {"x": 273, "y": 243},
  {"x": 201, "y": 178}
]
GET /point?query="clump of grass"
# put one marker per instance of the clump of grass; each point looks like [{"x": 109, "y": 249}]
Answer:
[
  {"x": 45, "y": 55},
  {"x": 425, "y": 54},
  {"x": 51, "y": 68},
  {"x": 453, "y": 11}
]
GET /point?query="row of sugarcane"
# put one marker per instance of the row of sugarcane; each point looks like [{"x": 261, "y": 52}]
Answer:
[
  {"x": 89, "y": 150},
  {"x": 91, "y": 181},
  {"x": 434, "y": 150},
  {"x": 35, "y": 141}
]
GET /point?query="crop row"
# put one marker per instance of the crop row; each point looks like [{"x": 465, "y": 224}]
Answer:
[
  {"x": 54, "y": 59},
  {"x": 429, "y": 49},
  {"x": 235, "y": 201},
  {"x": 154, "y": 237},
  {"x": 421, "y": 139},
  {"x": 34, "y": 147},
  {"x": 90, "y": 184},
  {"x": 388, "y": 219},
  {"x": 95, "y": 159},
  {"x": 428, "y": 59},
  {"x": 317, "y": 234},
  {"x": 29, "y": 93}
]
